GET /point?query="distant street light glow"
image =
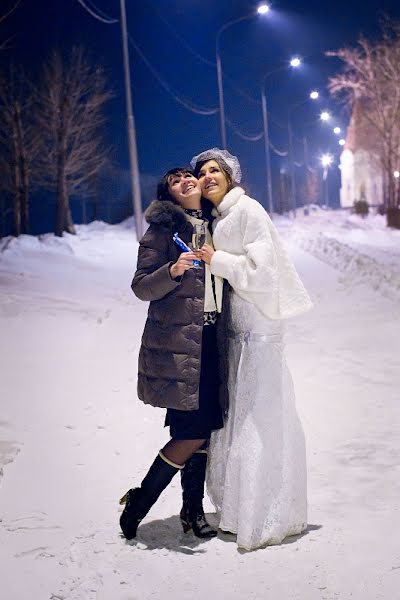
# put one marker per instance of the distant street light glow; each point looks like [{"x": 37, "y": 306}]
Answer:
[
  {"x": 325, "y": 116},
  {"x": 295, "y": 62},
  {"x": 342, "y": 142},
  {"x": 396, "y": 174},
  {"x": 314, "y": 95},
  {"x": 263, "y": 9},
  {"x": 326, "y": 160},
  {"x": 337, "y": 130}
]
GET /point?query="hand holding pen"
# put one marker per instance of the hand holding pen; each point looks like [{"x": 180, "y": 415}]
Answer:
[
  {"x": 184, "y": 262},
  {"x": 187, "y": 260}
]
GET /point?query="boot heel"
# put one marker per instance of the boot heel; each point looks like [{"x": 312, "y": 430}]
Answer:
[
  {"x": 123, "y": 499},
  {"x": 185, "y": 526}
]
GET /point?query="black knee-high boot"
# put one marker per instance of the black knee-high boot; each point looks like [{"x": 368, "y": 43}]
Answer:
[
  {"x": 192, "y": 513},
  {"x": 138, "y": 501}
]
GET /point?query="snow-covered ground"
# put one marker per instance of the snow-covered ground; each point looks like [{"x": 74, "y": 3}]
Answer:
[{"x": 74, "y": 437}]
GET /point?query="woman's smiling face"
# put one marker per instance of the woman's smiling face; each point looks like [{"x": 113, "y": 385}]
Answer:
[
  {"x": 185, "y": 189},
  {"x": 214, "y": 184}
]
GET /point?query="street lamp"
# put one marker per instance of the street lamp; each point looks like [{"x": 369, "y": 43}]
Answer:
[
  {"x": 314, "y": 95},
  {"x": 294, "y": 63},
  {"x": 133, "y": 154},
  {"x": 342, "y": 142},
  {"x": 396, "y": 174},
  {"x": 326, "y": 161},
  {"x": 261, "y": 10},
  {"x": 325, "y": 116},
  {"x": 337, "y": 130}
]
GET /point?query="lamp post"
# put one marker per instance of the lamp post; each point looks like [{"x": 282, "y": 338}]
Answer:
[
  {"x": 262, "y": 10},
  {"x": 294, "y": 63},
  {"x": 133, "y": 156},
  {"x": 314, "y": 95},
  {"x": 267, "y": 149},
  {"x": 326, "y": 161}
]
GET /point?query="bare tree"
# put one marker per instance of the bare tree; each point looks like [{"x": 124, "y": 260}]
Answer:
[
  {"x": 70, "y": 103},
  {"x": 19, "y": 144},
  {"x": 371, "y": 78}
]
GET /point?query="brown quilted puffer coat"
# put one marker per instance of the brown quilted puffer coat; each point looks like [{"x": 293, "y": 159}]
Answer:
[{"x": 169, "y": 358}]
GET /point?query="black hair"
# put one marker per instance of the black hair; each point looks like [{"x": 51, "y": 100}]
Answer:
[{"x": 163, "y": 192}]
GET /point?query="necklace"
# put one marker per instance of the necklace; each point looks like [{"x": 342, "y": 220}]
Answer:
[{"x": 194, "y": 212}]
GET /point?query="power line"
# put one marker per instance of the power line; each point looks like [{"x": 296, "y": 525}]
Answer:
[
  {"x": 244, "y": 136},
  {"x": 100, "y": 11},
  {"x": 210, "y": 63},
  {"x": 8, "y": 13},
  {"x": 254, "y": 138},
  {"x": 95, "y": 13},
  {"x": 184, "y": 43},
  {"x": 276, "y": 150},
  {"x": 183, "y": 101}
]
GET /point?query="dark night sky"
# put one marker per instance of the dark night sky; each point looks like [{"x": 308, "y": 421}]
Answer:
[{"x": 168, "y": 134}]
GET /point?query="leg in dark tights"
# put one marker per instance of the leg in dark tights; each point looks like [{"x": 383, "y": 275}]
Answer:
[
  {"x": 179, "y": 451},
  {"x": 138, "y": 501}
]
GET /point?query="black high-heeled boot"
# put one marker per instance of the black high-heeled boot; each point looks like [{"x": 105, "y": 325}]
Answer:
[
  {"x": 138, "y": 501},
  {"x": 192, "y": 513}
]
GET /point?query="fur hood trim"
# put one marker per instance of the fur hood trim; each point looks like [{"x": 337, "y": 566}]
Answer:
[{"x": 166, "y": 214}]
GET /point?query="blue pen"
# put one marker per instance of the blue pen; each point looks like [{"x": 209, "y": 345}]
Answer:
[{"x": 185, "y": 248}]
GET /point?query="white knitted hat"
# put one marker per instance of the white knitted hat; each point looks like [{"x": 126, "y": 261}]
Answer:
[{"x": 229, "y": 161}]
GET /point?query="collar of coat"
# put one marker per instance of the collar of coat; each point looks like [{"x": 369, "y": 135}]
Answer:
[
  {"x": 166, "y": 214},
  {"x": 229, "y": 200}
]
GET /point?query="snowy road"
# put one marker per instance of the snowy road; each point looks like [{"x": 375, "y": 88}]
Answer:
[{"x": 73, "y": 438}]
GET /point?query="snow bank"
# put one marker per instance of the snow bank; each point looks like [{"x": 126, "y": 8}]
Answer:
[
  {"x": 364, "y": 249},
  {"x": 358, "y": 266}
]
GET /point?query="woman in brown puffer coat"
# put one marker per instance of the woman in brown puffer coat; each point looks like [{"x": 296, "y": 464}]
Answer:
[{"x": 178, "y": 360}]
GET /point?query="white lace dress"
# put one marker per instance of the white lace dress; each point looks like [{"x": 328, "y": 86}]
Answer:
[
  {"x": 256, "y": 475},
  {"x": 257, "y": 464}
]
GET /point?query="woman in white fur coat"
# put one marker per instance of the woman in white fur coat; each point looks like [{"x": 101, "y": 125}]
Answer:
[{"x": 257, "y": 464}]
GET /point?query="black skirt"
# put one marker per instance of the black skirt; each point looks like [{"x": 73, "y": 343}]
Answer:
[{"x": 198, "y": 424}]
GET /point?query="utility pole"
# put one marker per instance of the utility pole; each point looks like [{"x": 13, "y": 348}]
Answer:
[
  {"x": 267, "y": 150},
  {"x": 133, "y": 156},
  {"x": 221, "y": 98},
  {"x": 292, "y": 170}
]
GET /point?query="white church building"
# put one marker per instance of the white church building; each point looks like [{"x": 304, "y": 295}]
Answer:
[{"x": 361, "y": 173}]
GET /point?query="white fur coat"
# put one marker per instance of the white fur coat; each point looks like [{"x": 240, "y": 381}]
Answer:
[{"x": 251, "y": 256}]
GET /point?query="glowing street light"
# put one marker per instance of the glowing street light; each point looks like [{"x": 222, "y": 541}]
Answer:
[
  {"x": 263, "y": 9},
  {"x": 337, "y": 130},
  {"x": 342, "y": 142},
  {"x": 326, "y": 160},
  {"x": 295, "y": 62},
  {"x": 325, "y": 116},
  {"x": 314, "y": 95},
  {"x": 396, "y": 174}
]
